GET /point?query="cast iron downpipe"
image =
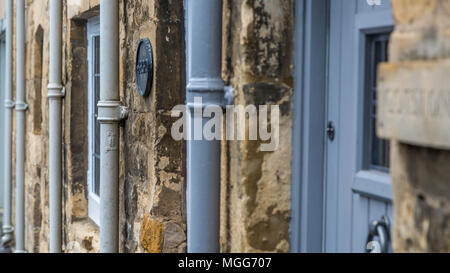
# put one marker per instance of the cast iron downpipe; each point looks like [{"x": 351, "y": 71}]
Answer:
[
  {"x": 9, "y": 105},
  {"x": 204, "y": 49},
  {"x": 55, "y": 94},
  {"x": 110, "y": 113},
  {"x": 21, "y": 107}
]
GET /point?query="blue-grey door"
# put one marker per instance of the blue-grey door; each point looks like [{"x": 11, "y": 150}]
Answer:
[
  {"x": 2, "y": 116},
  {"x": 357, "y": 182}
]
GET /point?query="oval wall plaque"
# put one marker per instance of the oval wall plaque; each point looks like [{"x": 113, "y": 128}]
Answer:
[{"x": 144, "y": 67}]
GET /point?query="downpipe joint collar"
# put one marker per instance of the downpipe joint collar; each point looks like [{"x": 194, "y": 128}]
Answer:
[
  {"x": 56, "y": 91},
  {"x": 111, "y": 112},
  {"x": 9, "y": 104},
  {"x": 21, "y": 106}
]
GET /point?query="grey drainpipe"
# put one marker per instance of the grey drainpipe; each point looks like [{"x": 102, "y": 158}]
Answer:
[
  {"x": 55, "y": 94},
  {"x": 21, "y": 107},
  {"x": 9, "y": 105},
  {"x": 110, "y": 113},
  {"x": 204, "y": 48}
]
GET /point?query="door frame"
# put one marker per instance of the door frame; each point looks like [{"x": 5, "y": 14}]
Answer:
[{"x": 308, "y": 150}]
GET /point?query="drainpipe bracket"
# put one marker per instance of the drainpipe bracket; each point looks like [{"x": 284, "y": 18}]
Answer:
[
  {"x": 56, "y": 91},
  {"x": 21, "y": 106},
  {"x": 210, "y": 90},
  {"x": 229, "y": 95},
  {"x": 111, "y": 112}
]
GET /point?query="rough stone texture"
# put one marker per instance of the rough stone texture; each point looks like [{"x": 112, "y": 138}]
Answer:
[
  {"x": 420, "y": 176},
  {"x": 258, "y": 64},
  {"x": 153, "y": 168},
  {"x": 152, "y": 164},
  {"x": 36, "y": 139},
  {"x": 422, "y": 30},
  {"x": 421, "y": 199},
  {"x": 151, "y": 234}
]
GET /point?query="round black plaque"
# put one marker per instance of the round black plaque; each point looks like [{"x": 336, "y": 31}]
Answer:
[{"x": 144, "y": 67}]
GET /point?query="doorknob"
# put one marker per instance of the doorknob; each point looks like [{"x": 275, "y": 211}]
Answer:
[
  {"x": 331, "y": 131},
  {"x": 380, "y": 230}
]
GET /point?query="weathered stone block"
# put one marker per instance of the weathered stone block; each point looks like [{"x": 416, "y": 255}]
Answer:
[
  {"x": 407, "y": 11},
  {"x": 421, "y": 193},
  {"x": 414, "y": 103},
  {"x": 414, "y": 108},
  {"x": 258, "y": 63}
]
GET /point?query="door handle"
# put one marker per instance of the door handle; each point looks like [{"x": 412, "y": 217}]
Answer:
[
  {"x": 380, "y": 230},
  {"x": 331, "y": 131}
]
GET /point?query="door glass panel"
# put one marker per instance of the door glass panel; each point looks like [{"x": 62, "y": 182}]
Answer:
[{"x": 377, "y": 150}]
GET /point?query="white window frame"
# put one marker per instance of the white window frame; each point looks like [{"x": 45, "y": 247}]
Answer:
[
  {"x": 2, "y": 104},
  {"x": 93, "y": 29}
]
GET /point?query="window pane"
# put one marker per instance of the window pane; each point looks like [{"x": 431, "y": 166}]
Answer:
[
  {"x": 96, "y": 128},
  {"x": 97, "y": 54},
  {"x": 97, "y": 124},
  {"x": 97, "y": 176}
]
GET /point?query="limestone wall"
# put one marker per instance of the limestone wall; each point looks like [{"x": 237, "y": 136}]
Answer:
[
  {"x": 255, "y": 195},
  {"x": 152, "y": 168},
  {"x": 421, "y": 181},
  {"x": 258, "y": 64}
]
